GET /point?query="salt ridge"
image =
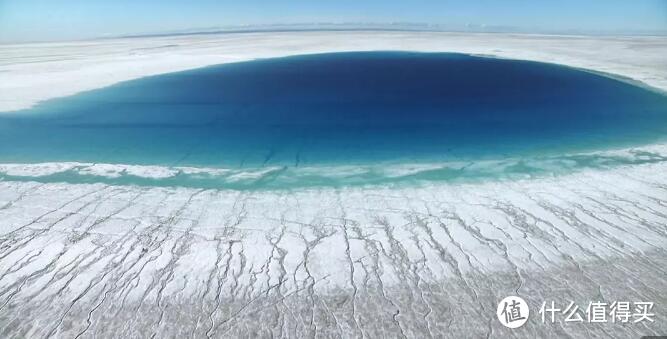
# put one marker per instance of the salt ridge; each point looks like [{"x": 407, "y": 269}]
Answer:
[{"x": 323, "y": 175}]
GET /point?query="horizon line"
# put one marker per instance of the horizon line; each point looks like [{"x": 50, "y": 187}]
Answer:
[{"x": 351, "y": 27}]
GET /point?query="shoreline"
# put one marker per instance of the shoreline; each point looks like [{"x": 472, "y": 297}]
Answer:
[
  {"x": 32, "y": 73},
  {"x": 283, "y": 177}
]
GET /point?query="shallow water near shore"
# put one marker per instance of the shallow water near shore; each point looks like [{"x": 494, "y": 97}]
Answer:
[{"x": 338, "y": 119}]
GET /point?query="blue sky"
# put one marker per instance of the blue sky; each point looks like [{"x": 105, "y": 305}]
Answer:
[{"x": 28, "y": 20}]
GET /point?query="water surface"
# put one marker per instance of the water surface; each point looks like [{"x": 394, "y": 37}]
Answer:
[{"x": 340, "y": 109}]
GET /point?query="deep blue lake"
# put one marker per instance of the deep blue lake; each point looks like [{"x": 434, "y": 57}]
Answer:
[{"x": 339, "y": 109}]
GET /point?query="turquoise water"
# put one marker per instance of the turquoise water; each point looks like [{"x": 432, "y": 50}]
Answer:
[{"x": 339, "y": 119}]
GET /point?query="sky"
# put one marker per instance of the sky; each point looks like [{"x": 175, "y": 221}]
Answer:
[{"x": 44, "y": 20}]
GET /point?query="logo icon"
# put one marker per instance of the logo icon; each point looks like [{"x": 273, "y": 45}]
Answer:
[{"x": 513, "y": 312}]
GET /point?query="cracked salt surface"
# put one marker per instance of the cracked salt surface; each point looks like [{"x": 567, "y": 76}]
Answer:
[{"x": 108, "y": 261}]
